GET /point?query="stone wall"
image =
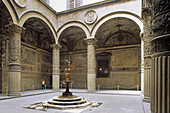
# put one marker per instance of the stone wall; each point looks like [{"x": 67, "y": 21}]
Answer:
[
  {"x": 78, "y": 71},
  {"x": 36, "y": 64},
  {"x": 124, "y": 68}
]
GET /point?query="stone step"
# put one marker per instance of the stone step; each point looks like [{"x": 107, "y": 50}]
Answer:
[
  {"x": 63, "y": 99},
  {"x": 67, "y": 102},
  {"x": 88, "y": 103}
]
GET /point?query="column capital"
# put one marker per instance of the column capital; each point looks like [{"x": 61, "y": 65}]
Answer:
[
  {"x": 14, "y": 28},
  {"x": 91, "y": 41},
  {"x": 56, "y": 46}
]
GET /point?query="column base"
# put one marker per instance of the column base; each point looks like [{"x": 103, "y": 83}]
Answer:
[
  {"x": 14, "y": 94},
  {"x": 147, "y": 99},
  {"x": 91, "y": 91},
  {"x": 56, "y": 89}
]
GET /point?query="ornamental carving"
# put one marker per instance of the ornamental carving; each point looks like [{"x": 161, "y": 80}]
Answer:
[
  {"x": 160, "y": 44},
  {"x": 14, "y": 50},
  {"x": 20, "y": 3},
  {"x": 56, "y": 46},
  {"x": 14, "y": 28},
  {"x": 147, "y": 62},
  {"x": 14, "y": 68},
  {"x": 91, "y": 41},
  {"x": 160, "y": 16},
  {"x": 90, "y": 17},
  {"x": 3, "y": 53},
  {"x": 147, "y": 49}
]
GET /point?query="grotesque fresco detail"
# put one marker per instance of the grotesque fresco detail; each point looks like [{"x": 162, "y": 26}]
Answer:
[{"x": 35, "y": 38}]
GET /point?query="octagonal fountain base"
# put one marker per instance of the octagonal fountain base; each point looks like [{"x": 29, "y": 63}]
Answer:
[{"x": 69, "y": 102}]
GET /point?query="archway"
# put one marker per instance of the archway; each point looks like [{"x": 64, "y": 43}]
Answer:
[
  {"x": 121, "y": 37},
  {"x": 36, "y": 53},
  {"x": 74, "y": 49}
]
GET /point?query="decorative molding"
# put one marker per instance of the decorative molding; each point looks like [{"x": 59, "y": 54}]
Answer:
[
  {"x": 14, "y": 28},
  {"x": 14, "y": 67},
  {"x": 123, "y": 69},
  {"x": 90, "y": 17},
  {"x": 147, "y": 49},
  {"x": 56, "y": 46},
  {"x": 20, "y": 3},
  {"x": 147, "y": 62},
  {"x": 160, "y": 44},
  {"x": 91, "y": 41}
]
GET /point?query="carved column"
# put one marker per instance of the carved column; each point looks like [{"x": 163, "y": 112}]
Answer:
[
  {"x": 56, "y": 66},
  {"x": 160, "y": 68},
  {"x": 146, "y": 15},
  {"x": 3, "y": 62},
  {"x": 91, "y": 63},
  {"x": 14, "y": 75}
]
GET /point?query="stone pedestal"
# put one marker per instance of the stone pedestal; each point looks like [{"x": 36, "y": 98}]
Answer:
[
  {"x": 91, "y": 62},
  {"x": 56, "y": 66},
  {"x": 160, "y": 69},
  {"x": 14, "y": 75}
]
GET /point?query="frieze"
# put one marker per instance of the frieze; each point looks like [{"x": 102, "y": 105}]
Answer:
[
  {"x": 121, "y": 69},
  {"x": 27, "y": 68},
  {"x": 160, "y": 16}
]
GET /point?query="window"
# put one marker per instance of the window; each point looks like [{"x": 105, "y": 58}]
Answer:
[
  {"x": 73, "y": 4},
  {"x": 102, "y": 68},
  {"x": 103, "y": 64}
]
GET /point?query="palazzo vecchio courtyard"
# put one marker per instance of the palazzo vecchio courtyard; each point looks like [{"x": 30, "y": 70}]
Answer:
[{"x": 84, "y": 56}]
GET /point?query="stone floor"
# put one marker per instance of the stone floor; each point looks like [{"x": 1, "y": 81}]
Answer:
[{"x": 112, "y": 102}]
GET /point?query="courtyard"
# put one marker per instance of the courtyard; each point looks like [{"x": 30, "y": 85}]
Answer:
[{"x": 111, "y": 101}]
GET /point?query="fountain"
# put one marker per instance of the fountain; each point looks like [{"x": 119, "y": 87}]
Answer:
[{"x": 67, "y": 100}]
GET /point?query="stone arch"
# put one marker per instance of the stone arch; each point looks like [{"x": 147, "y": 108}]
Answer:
[
  {"x": 119, "y": 14},
  {"x": 11, "y": 11},
  {"x": 34, "y": 14},
  {"x": 72, "y": 24}
]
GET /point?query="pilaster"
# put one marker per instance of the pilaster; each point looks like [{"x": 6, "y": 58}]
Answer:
[
  {"x": 146, "y": 15},
  {"x": 91, "y": 63},
  {"x": 56, "y": 66}
]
